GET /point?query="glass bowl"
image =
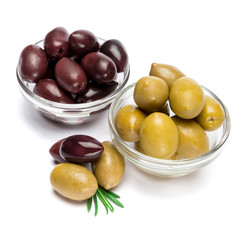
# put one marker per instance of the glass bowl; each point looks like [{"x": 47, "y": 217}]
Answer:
[
  {"x": 163, "y": 167},
  {"x": 71, "y": 114}
]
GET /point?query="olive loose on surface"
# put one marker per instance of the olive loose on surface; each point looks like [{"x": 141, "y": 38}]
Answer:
[
  {"x": 151, "y": 93},
  {"x": 83, "y": 42},
  {"x": 99, "y": 67},
  {"x": 166, "y": 72},
  {"x": 80, "y": 149},
  {"x": 186, "y": 98},
  {"x": 159, "y": 135},
  {"x": 73, "y": 181},
  {"x": 212, "y": 116},
  {"x": 54, "y": 151},
  {"x": 95, "y": 91},
  {"x": 49, "y": 89},
  {"x": 33, "y": 63},
  {"x": 193, "y": 140},
  {"x": 109, "y": 168},
  {"x": 128, "y": 122},
  {"x": 70, "y": 75},
  {"x": 56, "y": 43},
  {"x": 114, "y": 49}
]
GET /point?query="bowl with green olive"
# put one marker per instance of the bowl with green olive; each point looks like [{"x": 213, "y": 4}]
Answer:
[{"x": 160, "y": 142}]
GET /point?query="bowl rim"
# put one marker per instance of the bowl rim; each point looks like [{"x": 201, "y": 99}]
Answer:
[
  {"x": 143, "y": 159},
  {"x": 69, "y": 106}
]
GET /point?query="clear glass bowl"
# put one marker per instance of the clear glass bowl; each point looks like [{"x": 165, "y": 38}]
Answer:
[
  {"x": 163, "y": 167},
  {"x": 70, "y": 113}
]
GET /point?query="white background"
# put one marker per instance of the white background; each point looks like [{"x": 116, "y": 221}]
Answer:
[{"x": 202, "y": 39}]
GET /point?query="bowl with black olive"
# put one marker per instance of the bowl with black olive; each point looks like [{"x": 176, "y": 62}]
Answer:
[{"x": 70, "y": 78}]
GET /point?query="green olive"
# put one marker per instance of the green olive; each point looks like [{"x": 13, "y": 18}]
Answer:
[
  {"x": 212, "y": 116},
  {"x": 166, "y": 72},
  {"x": 109, "y": 168},
  {"x": 159, "y": 135},
  {"x": 151, "y": 93},
  {"x": 73, "y": 181},
  {"x": 193, "y": 141},
  {"x": 186, "y": 98},
  {"x": 128, "y": 121},
  {"x": 139, "y": 148}
]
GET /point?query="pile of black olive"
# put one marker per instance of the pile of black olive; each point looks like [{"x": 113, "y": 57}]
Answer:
[{"x": 73, "y": 68}]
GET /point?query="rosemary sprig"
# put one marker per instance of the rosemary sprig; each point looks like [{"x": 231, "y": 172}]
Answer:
[
  {"x": 111, "y": 197},
  {"x": 104, "y": 195}
]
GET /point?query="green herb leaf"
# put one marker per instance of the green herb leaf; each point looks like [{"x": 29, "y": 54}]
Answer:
[
  {"x": 103, "y": 200},
  {"x": 111, "y": 197},
  {"x": 96, "y": 204},
  {"x": 112, "y": 193},
  {"x": 89, "y": 204}
]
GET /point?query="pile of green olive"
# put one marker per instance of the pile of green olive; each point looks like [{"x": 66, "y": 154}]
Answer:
[
  {"x": 72, "y": 179},
  {"x": 158, "y": 133}
]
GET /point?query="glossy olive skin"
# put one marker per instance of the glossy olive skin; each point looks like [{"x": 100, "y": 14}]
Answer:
[
  {"x": 82, "y": 42},
  {"x": 159, "y": 135},
  {"x": 128, "y": 122},
  {"x": 80, "y": 149},
  {"x": 56, "y": 43},
  {"x": 166, "y": 72},
  {"x": 70, "y": 75},
  {"x": 212, "y": 116},
  {"x": 193, "y": 140},
  {"x": 73, "y": 181},
  {"x": 54, "y": 151},
  {"x": 99, "y": 67},
  {"x": 151, "y": 93},
  {"x": 95, "y": 91},
  {"x": 49, "y": 89},
  {"x": 175, "y": 156},
  {"x": 186, "y": 98},
  {"x": 114, "y": 49},
  {"x": 33, "y": 63},
  {"x": 109, "y": 168}
]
